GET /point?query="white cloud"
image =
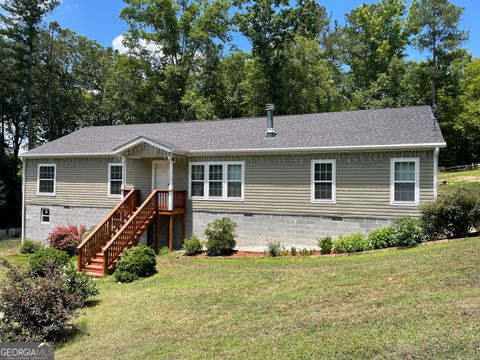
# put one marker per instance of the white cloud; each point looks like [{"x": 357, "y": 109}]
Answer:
[
  {"x": 153, "y": 49},
  {"x": 117, "y": 44}
]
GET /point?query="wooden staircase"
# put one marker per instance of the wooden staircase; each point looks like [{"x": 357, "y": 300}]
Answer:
[{"x": 122, "y": 228}]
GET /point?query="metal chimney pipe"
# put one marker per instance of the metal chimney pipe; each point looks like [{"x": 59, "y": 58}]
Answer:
[{"x": 270, "y": 132}]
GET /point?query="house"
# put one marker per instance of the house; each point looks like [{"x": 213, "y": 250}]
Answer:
[{"x": 293, "y": 179}]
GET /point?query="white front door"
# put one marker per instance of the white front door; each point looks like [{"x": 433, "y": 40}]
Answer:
[{"x": 160, "y": 175}]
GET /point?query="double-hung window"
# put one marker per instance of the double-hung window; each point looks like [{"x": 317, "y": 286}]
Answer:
[
  {"x": 46, "y": 179},
  {"x": 115, "y": 179},
  {"x": 323, "y": 181},
  {"x": 404, "y": 181},
  {"x": 217, "y": 180}
]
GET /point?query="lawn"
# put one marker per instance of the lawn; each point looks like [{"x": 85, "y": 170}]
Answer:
[
  {"x": 469, "y": 180},
  {"x": 6, "y": 247},
  {"x": 416, "y": 303}
]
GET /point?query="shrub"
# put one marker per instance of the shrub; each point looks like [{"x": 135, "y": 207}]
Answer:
[
  {"x": 274, "y": 248},
  {"x": 46, "y": 259},
  {"x": 164, "y": 251},
  {"x": 221, "y": 237},
  {"x": 66, "y": 238},
  {"x": 406, "y": 231},
  {"x": 192, "y": 246},
  {"x": 136, "y": 262},
  {"x": 351, "y": 243},
  {"x": 325, "y": 244},
  {"x": 380, "y": 238},
  {"x": 293, "y": 251},
  {"x": 79, "y": 283},
  {"x": 451, "y": 215},
  {"x": 34, "y": 308},
  {"x": 304, "y": 252},
  {"x": 30, "y": 246}
]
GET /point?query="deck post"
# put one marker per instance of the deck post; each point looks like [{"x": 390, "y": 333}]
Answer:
[
  {"x": 170, "y": 182},
  {"x": 170, "y": 232},
  {"x": 183, "y": 227}
]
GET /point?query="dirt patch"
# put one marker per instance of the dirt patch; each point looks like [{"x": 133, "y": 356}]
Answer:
[{"x": 469, "y": 178}]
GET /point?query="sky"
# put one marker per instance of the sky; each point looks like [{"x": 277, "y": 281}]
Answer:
[{"x": 99, "y": 20}]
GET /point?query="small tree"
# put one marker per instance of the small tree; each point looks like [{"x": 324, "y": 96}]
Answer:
[{"x": 221, "y": 237}]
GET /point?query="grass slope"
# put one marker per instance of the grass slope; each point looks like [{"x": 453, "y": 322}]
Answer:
[
  {"x": 469, "y": 180},
  {"x": 416, "y": 303}
]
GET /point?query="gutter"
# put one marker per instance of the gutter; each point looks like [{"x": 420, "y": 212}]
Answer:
[{"x": 254, "y": 150}]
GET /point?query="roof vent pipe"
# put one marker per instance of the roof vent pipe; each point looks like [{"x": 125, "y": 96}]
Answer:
[{"x": 270, "y": 132}]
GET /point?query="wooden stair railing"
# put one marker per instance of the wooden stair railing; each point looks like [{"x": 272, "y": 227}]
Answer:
[
  {"x": 131, "y": 231},
  {"x": 105, "y": 230}
]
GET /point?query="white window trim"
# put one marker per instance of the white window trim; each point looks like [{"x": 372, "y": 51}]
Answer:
[
  {"x": 41, "y": 216},
  {"x": 333, "y": 200},
  {"x": 54, "y": 180},
  {"x": 206, "y": 180},
  {"x": 117, "y": 196},
  {"x": 416, "y": 202}
]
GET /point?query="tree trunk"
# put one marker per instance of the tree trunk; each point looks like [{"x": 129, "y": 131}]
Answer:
[
  {"x": 434, "y": 72},
  {"x": 49, "y": 89},
  {"x": 29, "y": 95}
]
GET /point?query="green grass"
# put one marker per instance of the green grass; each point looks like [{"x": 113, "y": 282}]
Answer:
[
  {"x": 416, "y": 303},
  {"x": 6, "y": 247},
  {"x": 405, "y": 304},
  {"x": 469, "y": 180}
]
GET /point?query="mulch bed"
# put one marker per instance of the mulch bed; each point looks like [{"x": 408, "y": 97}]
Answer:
[{"x": 316, "y": 254}]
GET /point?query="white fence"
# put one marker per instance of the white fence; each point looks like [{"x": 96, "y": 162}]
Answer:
[{"x": 10, "y": 233}]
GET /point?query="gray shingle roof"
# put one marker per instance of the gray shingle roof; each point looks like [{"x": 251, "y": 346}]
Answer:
[{"x": 409, "y": 126}]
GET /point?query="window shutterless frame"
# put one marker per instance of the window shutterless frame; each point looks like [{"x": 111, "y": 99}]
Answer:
[
  {"x": 225, "y": 180},
  {"x": 110, "y": 180},
  {"x": 415, "y": 181},
  {"x": 53, "y": 180},
  {"x": 45, "y": 216},
  {"x": 331, "y": 181}
]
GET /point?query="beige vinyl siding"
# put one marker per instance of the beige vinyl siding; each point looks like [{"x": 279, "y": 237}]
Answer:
[
  {"x": 282, "y": 186},
  {"x": 139, "y": 175},
  {"x": 79, "y": 182}
]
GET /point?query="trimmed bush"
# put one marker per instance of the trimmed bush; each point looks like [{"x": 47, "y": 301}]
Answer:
[
  {"x": 30, "y": 246},
  {"x": 192, "y": 246},
  {"x": 221, "y": 236},
  {"x": 406, "y": 231},
  {"x": 325, "y": 244},
  {"x": 47, "y": 259},
  {"x": 79, "y": 283},
  {"x": 351, "y": 243},
  {"x": 451, "y": 215},
  {"x": 274, "y": 248},
  {"x": 136, "y": 262},
  {"x": 380, "y": 238},
  {"x": 66, "y": 238},
  {"x": 34, "y": 308}
]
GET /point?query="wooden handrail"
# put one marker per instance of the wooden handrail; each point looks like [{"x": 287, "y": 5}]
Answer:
[
  {"x": 105, "y": 229},
  {"x": 134, "y": 227},
  {"x": 130, "y": 232}
]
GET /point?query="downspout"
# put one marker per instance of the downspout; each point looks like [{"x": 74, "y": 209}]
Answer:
[
  {"x": 124, "y": 174},
  {"x": 170, "y": 182},
  {"x": 435, "y": 172},
  {"x": 24, "y": 171}
]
